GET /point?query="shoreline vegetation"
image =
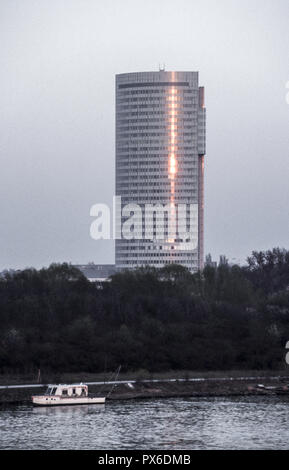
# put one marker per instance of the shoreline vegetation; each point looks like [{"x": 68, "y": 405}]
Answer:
[
  {"x": 156, "y": 322},
  {"x": 143, "y": 385},
  {"x": 137, "y": 376}
]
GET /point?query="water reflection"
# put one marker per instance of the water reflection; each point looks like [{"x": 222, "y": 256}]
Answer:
[
  {"x": 67, "y": 409},
  {"x": 184, "y": 423}
]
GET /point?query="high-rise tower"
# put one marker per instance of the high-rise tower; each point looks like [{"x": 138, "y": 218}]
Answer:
[{"x": 160, "y": 148}]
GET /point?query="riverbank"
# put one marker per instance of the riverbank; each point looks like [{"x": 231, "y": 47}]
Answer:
[{"x": 195, "y": 385}]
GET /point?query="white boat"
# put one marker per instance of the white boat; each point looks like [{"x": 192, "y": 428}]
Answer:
[{"x": 73, "y": 394}]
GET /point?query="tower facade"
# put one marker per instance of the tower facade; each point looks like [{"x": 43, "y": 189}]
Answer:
[{"x": 160, "y": 149}]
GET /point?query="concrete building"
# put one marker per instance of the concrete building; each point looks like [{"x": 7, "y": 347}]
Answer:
[
  {"x": 160, "y": 148},
  {"x": 96, "y": 272}
]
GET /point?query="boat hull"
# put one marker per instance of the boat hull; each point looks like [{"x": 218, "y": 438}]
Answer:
[{"x": 58, "y": 401}]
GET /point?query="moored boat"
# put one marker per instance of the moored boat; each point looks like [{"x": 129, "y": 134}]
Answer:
[{"x": 73, "y": 394}]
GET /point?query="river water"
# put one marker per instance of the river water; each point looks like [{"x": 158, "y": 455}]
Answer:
[{"x": 178, "y": 424}]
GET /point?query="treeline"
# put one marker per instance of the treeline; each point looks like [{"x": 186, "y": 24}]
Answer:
[{"x": 226, "y": 317}]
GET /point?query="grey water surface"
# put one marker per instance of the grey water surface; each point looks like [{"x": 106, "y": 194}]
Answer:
[{"x": 178, "y": 423}]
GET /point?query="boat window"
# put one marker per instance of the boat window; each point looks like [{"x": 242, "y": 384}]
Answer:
[
  {"x": 64, "y": 392},
  {"x": 53, "y": 390},
  {"x": 73, "y": 391}
]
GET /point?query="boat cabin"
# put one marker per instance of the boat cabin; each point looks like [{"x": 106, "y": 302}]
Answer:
[{"x": 74, "y": 390}]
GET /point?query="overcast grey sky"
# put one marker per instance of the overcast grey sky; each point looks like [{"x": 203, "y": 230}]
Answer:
[{"x": 58, "y": 64}]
